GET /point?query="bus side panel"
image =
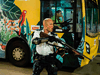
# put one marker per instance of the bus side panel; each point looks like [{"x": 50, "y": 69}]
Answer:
[{"x": 16, "y": 15}]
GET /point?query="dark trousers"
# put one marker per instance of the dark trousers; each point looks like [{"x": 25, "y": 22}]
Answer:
[{"x": 44, "y": 63}]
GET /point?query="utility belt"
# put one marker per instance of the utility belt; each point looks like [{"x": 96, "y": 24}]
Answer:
[{"x": 49, "y": 58}]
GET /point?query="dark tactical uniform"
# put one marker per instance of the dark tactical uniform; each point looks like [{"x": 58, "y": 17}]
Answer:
[{"x": 46, "y": 59}]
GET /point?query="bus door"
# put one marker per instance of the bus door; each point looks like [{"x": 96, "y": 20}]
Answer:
[{"x": 91, "y": 37}]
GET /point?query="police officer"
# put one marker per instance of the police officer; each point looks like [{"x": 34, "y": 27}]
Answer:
[{"x": 45, "y": 57}]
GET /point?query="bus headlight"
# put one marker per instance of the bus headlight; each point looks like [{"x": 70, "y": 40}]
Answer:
[{"x": 87, "y": 48}]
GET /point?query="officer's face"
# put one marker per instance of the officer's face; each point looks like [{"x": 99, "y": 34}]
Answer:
[{"x": 50, "y": 26}]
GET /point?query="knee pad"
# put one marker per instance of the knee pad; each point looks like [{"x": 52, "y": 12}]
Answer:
[{"x": 54, "y": 68}]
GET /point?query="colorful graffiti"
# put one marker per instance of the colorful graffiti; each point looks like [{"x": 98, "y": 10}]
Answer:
[{"x": 11, "y": 20}]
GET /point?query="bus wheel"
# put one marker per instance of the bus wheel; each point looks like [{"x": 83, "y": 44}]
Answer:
[{"x": 19, "y": 53}]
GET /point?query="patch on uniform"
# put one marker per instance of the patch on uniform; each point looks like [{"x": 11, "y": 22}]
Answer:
[{"x": 59, "y": 58}]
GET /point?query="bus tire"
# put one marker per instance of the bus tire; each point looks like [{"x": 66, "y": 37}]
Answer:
[{"x": 19, "y": 53}]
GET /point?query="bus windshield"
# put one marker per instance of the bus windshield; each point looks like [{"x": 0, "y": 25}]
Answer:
[
  {"x": 91, "y": 19},
  {"x": 61, "y": 12}
]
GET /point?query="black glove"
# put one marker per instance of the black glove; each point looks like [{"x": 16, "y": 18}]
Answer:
[
  {"x": 51, "y": 38},
  {"x": 36, "y": 41}
]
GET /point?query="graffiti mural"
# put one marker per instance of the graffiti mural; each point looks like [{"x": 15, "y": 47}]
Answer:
[{"x": 11, "y": 20}]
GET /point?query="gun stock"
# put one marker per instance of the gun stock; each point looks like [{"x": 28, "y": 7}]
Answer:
[{"x": 43, "y": 35}]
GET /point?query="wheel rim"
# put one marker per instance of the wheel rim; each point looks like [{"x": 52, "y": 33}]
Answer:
[{"x": 18, "y": 54}]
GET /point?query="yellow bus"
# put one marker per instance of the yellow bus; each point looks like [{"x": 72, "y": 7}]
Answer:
[{"x": 19, "y": 19}]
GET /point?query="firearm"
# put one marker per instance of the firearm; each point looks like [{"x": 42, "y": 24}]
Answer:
[{"x": 44, "y": 35}]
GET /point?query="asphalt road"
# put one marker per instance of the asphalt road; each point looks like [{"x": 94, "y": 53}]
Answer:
[
  {"x": 93, "y": 68},
  {"x": 7, "y": 68}
]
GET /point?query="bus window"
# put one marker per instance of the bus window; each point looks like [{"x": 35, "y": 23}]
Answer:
[
  {"x": 66, "y": 9},
  {"x": 91, "y": 19},
  {"x": 47, "y": 9},
  {"x": 67, "y": 14},
  {"x": 79, "y": 17},
  {"x": 78, "y": 33},
  {"x": 99, "y": 27}
]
